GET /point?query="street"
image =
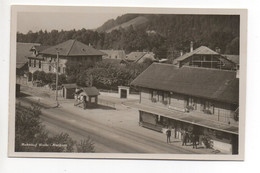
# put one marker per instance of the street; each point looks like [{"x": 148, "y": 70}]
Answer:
[{"x": 112, "y": 130}]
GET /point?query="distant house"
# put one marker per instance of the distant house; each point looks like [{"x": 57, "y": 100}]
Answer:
[
  {"x": 68, "y": 51},
  {"x": 233, "y": 58},
  {"x": 23, "y": 50},
  {"x": 113, "y": 54},
  {"x": 204, "y": 57},
  {"x": 139, "y": 57},
  {"x": 201, "y": 100}
]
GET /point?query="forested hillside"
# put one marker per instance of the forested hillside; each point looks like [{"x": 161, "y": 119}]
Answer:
[{"x": 165, "y": 35}]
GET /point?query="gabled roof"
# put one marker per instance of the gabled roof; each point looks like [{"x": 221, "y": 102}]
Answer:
[
  {"x": 134, "y": 56},
  {"x": 214, "y": 84},
  {"x": 202, "y": 50},
  {"x": 72, "y": 48},
  {"x": 112, "y": 53},
  {"x": 91, "y": 91},
  {"x": 22, "y": 51},
  {"x": 233, "y": 58},
  {"x": 39, "y": 48},
  {"x": 137, "y": 56}
]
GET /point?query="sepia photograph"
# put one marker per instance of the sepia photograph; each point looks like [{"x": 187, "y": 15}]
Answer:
[{"x": 130, "y": 83}]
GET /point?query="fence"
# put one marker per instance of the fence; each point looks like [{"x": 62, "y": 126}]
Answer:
[{"x": 106, "y": 103}]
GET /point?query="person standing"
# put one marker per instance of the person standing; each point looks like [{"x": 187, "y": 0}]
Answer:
[
  {"x": 194, "y": 140},
  {"x": 84, "y": 102},
  {"x": 184, "y": 138},
  {"x": 168, "y": 134}
]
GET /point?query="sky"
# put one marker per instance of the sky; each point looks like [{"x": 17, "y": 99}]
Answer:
[{"x": 35, "y": 21}]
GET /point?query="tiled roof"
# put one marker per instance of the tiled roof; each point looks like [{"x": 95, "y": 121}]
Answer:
[
  {"x": 139, "y": 56},
  {"x": 70, "y": 85},
  {"x": 214, "y": 84},
  {"x": 41, "y": 48},
  {"x": 22, "y": 51},
  {"x": 112, "y": 53},
  {"x": 72, "y": 48},
  {"x": 91, "y": 91},
  {"x": 134, "y": 56}
]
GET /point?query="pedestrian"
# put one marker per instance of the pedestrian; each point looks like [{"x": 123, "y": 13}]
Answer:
[
  {"x": 184, "y": 138},
  {"x": 168, "y": 134},
  {"x": 194, "y": 140},
  {"x": 84, "y": 102}
]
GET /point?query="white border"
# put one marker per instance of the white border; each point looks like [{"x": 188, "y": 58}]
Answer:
[
  {"x": 74, "y": 165},
  {"x": 243, "y": 43}
]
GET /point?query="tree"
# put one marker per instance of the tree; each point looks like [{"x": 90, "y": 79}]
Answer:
[
  {"x": 31, "y": 135},
  {"x": 233, "y": 47}
]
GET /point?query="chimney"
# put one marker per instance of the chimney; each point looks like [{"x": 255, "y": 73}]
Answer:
[
  {"x": 191, "y": 46},
  {"x": 181, "y": 53},
  {"x": 217, "y": 50}
]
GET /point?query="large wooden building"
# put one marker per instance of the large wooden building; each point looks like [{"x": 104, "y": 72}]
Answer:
[
  {"x": 205, "y": 57},
  {"x": 71, "y": 51},
  {"x": 198, "y": 99}
]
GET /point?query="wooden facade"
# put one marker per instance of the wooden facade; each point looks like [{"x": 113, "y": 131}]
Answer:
[
  {"x": 217, "y": 111},
  {"x": 208, "y": 61}
]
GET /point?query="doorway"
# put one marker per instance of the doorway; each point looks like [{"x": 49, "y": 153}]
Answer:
[{"x": 123, "y": 93}]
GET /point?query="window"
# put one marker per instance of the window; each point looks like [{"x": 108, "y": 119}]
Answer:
[
  {"x": 40, "y": 64},
  {"x": 165, "y": 98},
  {"x": 30, "y": 62},
  {"x": 49, "y": 68},
  {"x": 208, "y": 107},
  {"x": 154, "y": 96},
  {"x": 34, "y": 63},
  {"x": 59, "y": 69},
  {"x": 64, "y": 69}
]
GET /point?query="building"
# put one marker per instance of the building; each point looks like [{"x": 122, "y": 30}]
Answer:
[
  {"x": 204, "y": 57},
  {"x": 202, "y": 100},
  {"x": 139, "y": 57},
  {"x": 23, "y": 50},
  {"x": 68, "y": 90},
  {"x": 70, "y": 51},
  {"x": 91, "y": 94},
  {"x": 114, "y": 54}
]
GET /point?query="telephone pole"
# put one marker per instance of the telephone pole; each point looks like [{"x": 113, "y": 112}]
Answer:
[{"x": 57, "y": 78}]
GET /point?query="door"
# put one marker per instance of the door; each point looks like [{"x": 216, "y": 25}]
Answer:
[{"x": 123, "y": 93}]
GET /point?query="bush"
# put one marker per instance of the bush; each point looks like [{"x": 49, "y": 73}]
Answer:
[
  {"x": 86, "y": 145},
  {"x": 35, "y": 75},
  {"x": 29, "y": 130},
  {"x": 62, "y": 79}
]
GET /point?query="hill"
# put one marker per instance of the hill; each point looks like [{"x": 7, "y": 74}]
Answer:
[
  {"x": 135, "y": 22},
  {"x": 164, "y": 34}
]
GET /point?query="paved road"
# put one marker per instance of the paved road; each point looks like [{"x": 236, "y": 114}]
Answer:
[{"x": 113, "y": 132}]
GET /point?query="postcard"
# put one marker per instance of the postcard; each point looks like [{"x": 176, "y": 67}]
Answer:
[{"x": 127, "y": 83}]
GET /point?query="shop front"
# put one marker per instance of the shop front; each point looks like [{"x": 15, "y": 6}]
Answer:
[{"x": 207, "y": 137}]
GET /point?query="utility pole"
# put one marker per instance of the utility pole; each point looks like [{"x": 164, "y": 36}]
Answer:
[{"x": 57, "y": 77}]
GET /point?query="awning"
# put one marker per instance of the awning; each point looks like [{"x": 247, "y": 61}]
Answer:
[{"x": 186, "y": 117}]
